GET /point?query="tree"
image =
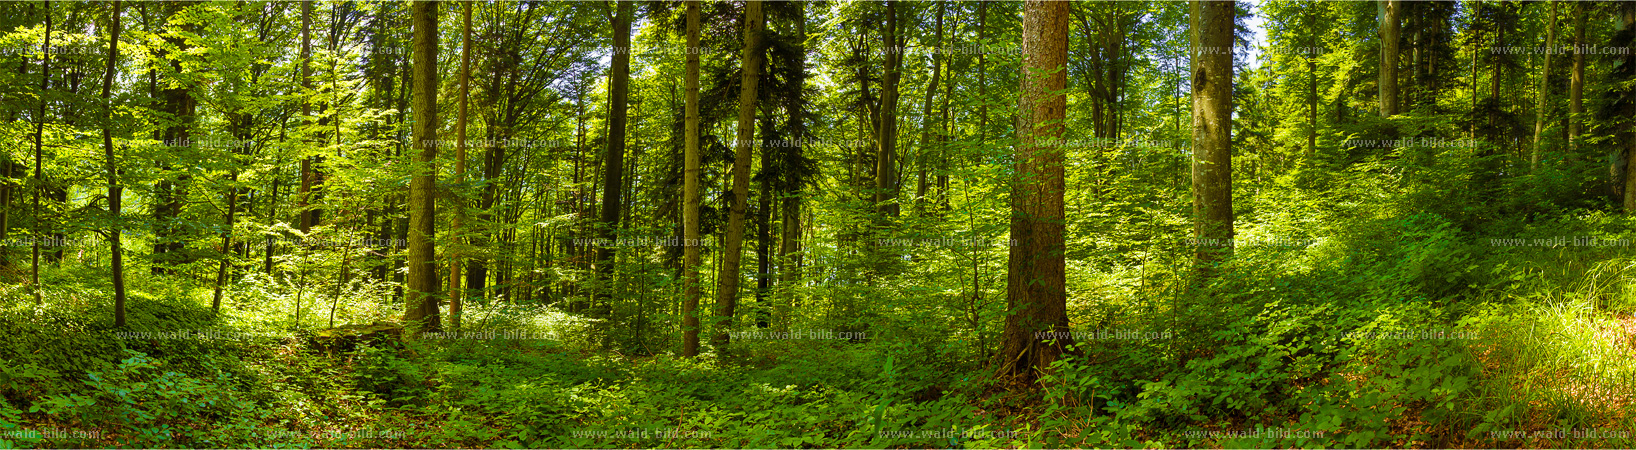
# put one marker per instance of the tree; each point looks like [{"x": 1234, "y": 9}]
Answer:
[
  {"x": 619, "y": 80},
  {"x": 1541, "y": 97},
  {"x": 1036, "y": 283},
  {"x": 1390, "y": 27},
  {"x": 1212, "y": 41},
  {"x": 421, "y": 292},
  {"x": 690, "y": 190},
  {"x": 455, "y": 294},
  {"x": 39, "y": 135},
  {"x": 886, "y": 164},
  {"x": 727, "y": 283}
]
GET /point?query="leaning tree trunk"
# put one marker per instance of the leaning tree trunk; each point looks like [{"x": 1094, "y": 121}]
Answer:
[
  {"x": 613, "y": 168},
  {"x": 727, "y": 279},
  {"x": 1036, "y": 330}
]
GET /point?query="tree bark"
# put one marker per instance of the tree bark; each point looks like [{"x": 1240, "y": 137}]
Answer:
[
  {"x": 421, "y": 290},
  {"x": 1390, "y": 29},
  {"x": 39, "y": 135},
  {"x": 455, "y": 294},
  {"x": 1576, "y": 83},
  {"x": 926, "y": 125},
  {"x": 115, "y": 190},
  {"x": 1540, "y": 103},
  {"x": 690, "y": 189},
  {"x": 1212, "y": 36},
  {"x": 886, "y": 177},
  {"x": 613, "y": 168},
  {"x": 1036, "y": 328},
  {"x": 727, "y": 279}
]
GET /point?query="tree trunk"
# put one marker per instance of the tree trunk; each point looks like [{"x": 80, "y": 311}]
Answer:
[
  {"x": 886, "y": 178},
  {"x": 115, "y": 190},
  {"x": 690, "y": 190},
  {"x": 613, "y": 165},
  {"x": 1540, "y": 103},
  {"x": 39, "y": 135},
  {"x": 1212, "y": 36},
  {"x": 789, "y": 268},
  {"x": 1390, "y": 21},
  {"x": 926, "y": 116},
  {"x": 455, "y": 294},
  {"x": 421, "y": 290},
  {"x": 1036, "y": 281},
  {"x": 727, "y": 279},
  {"x": 1576, "y": 83}
]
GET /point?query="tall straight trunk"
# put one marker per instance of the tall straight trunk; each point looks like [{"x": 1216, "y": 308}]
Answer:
[
  {"x": 455, "y": 307},
  {"x": 690, "y": 189},
  {"x": 1036, "y": 281},
  {"x": 886, "y": 155},
  {"x": 1540, "y": 102},
  {"x": 1212, "y": 35},
  {"x": 421, "y": 293},
  {"x": 1312, "y": 81},
  {"x": 613, "y": 165},
  {"x": 39, "y": 135},
  {"x": 1625, "y": 72},
  {"x": 789, "y": 238},
  {"x": 1390, "y": 29},
  {"x": 1576, "y": 83},
  {"x": 171, "y": 191},
  {"x": 307, "y": 175},
  {"x": 111, "y": 166},
  {"x": 926, "y": 115},
  {"x": 727, "y": 279}
]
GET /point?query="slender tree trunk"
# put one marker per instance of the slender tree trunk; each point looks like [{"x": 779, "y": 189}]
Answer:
[
  {"x": 926, "y": 125},
  {"x": 115, "y": 190},
  {"x": 307, "y": 176},
  {"x": 789, "y": 269},
  {"x": 690, "y": 190},
  {"x": 1576, "y": 84},
  {"x": 1540, "y": 103},
  {"x": 1312, "y": 81},
  {"x": 421, "y": 292},
  {"x": 39, "y": 135},
  {"x": 886, "y": 177},
  {"x": 727, "y": 279},
  {"x": 1212, "y": 36},
  {"x": 455, "y": 294},
  {"x": 613, "y": 168},
  {"x": 1036, "y": 329}
]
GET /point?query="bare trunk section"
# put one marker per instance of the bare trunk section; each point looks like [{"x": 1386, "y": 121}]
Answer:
[
  {"x": 727, "y": 280},
  {"x": 1036, "y": 330},
  {"x": 421, "y": 290}
]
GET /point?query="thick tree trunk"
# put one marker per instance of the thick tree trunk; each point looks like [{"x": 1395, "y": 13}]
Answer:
[
  {"x": 421, "y": 290},
  {"x": 690, "y": 190},
  {"x": 1390, "y": 29},
  {"x": 1212, "y": 36},
  {"x": 1036, "y": 330},
  {"x": 727, "y": 279},
  {"x": 613, "y": 169}
]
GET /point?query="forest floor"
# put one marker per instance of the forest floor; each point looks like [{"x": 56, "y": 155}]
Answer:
[{"x": 1408, "y": 331}]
